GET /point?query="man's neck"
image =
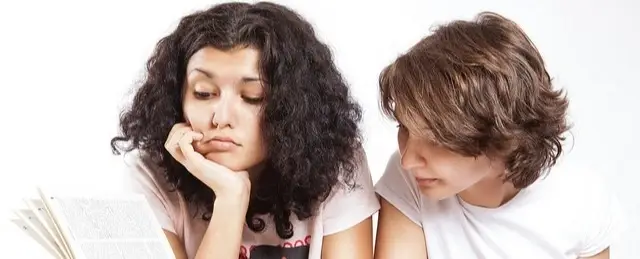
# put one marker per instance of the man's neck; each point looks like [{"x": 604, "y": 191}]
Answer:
[{"x": 491, "y": 192}]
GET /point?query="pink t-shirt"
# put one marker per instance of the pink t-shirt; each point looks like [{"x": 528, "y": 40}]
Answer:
[{"x": 342, "y": 210}]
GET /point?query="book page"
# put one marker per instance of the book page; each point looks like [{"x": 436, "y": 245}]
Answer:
[
  {"x": 42, "y": 215},
  {"x": 27, "y": 228},
  {"x": 32, "y": 225},
  {"x": 110, "y": 227}
]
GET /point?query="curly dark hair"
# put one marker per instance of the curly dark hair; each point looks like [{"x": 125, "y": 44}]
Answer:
[{"x": 310, "y": 121}]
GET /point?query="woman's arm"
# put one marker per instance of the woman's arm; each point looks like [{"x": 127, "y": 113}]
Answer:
[
  {"x": 398, "y": 236},
  {"x": 176, "y": 245},
  {"x": 223, "y": 236},
  {"x": 355, "y": 242},
  {"x": 347, "y": 217},
  {"x": 224, "y": 233}
]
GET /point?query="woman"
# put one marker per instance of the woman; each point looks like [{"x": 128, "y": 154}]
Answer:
[
  {"x": 246, "y": 140},
  {"x": 479, "y": 124}
]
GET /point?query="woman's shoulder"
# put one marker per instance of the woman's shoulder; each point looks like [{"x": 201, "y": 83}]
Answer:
[
  {"x": 141, "y": 164},
  {"x": 349, "y": 204},
  {"x": 144, "y": 174}
]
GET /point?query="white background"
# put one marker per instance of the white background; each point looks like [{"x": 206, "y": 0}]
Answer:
[{"x": 66, "y": 67}]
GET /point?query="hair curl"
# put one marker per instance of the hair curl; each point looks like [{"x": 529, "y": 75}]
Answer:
[
  {"x": 309, "y": 123},
  {"x": 480, "y": 87}
]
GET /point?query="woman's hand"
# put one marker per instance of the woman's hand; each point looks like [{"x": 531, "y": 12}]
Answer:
[
  {"x": 224, "y": 233},
  {"x": 225, "y": 183}
]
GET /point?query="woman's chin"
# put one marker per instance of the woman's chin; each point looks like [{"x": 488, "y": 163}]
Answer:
[{"x": 226, "y": 160}]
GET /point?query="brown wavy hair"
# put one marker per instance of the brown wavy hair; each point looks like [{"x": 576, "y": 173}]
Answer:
[{"x": 480, "y": 88}]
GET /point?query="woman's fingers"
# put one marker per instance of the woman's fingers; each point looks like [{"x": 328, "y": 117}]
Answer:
[
  {"x": 219, "y": 178},
  {"x": 192, "y": 160},
  {"x": 176, "y": 133},
  {"x": 171, "y": 145}
]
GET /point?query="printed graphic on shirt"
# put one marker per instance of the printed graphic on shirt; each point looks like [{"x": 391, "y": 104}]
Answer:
[{"x": 298, "y": 249}]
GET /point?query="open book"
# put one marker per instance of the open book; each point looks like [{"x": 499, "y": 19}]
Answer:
[{"x": 79, "y": 227}]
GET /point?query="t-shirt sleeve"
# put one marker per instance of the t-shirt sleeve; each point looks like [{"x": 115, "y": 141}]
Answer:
[
  {"x": 347, "y": 207},
  {"x": 140, "y": 178},
  {"x": 399, "y": 188},
  {"x": 603, "y": 218}
]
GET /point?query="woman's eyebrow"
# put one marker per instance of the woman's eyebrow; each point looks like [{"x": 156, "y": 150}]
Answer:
[{"x": 211, "y": 75}]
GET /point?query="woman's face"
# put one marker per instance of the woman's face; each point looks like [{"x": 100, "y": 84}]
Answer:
[{"x": 223, "y": 97}]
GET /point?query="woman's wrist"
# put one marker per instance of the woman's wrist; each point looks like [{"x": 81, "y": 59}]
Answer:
[{"x": 236, "y": 201}]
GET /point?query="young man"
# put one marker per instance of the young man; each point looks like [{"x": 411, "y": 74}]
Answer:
[{"x": 479, "y": 126}]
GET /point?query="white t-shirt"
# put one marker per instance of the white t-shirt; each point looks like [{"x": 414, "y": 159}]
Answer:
[{"x": 564, "y": 215}]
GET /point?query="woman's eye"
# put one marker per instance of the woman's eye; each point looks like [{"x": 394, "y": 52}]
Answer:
[
  {"x": 251, "y": 100},
  {"x": 202, "y": 95}
]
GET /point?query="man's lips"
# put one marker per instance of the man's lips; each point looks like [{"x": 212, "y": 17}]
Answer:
[{"x": 423, "y": 181}]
